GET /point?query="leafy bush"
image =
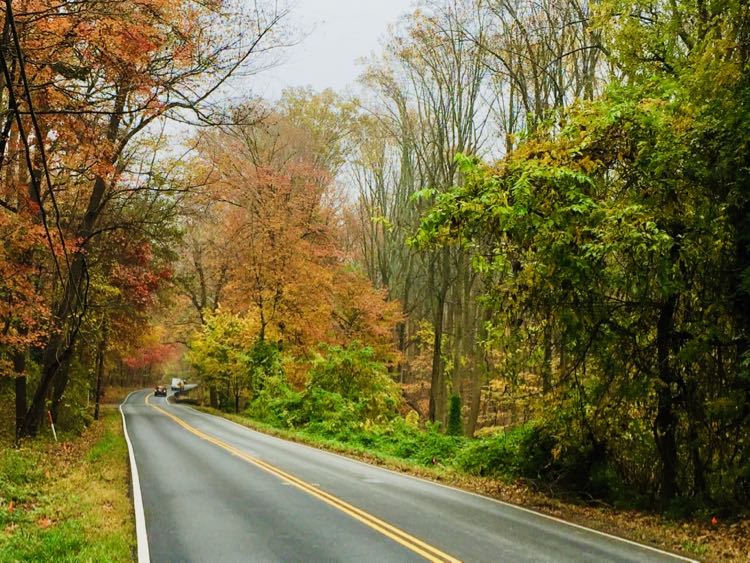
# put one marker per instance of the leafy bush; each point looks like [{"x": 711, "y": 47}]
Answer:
[
  {"x": 317, "y": 410},
  {"x": 264, "y": 362},
  {"x": 328, "y": 413},
  {"x": 523, "y": 451},
  {"x": 402, "y": 440},
  {"x": 276, "y": 404},
  {"x": 354, "y": 373}
]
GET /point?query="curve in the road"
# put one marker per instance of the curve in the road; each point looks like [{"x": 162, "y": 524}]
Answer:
[
  {"x": 201, "y": 505},
  {"x": 430, "y": 553},
  {"x": 140, "y": 520}
]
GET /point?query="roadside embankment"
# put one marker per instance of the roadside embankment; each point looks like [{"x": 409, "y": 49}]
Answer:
[
  {"x": 704, "y": 539},
  {"x": 68, "y": 500}
]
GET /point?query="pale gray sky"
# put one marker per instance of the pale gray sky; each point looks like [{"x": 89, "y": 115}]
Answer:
[{"x": 340, "y": 33}]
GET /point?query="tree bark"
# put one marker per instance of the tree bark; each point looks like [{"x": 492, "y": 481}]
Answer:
[
  {"x": 19, "y": 367},
  {"x": 67, "y": 313},
  {"x": 100, "y": 353},
  {"x": 437, "y": 382},
  {"x": 60, "y": 383},
  {"x": 665, "y": 424},
  {"x": 547, "y": 366},
  {"x": 476, "y": 396}
]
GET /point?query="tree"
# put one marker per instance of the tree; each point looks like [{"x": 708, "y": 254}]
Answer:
[
  {"x": 86, "y": 94},
  {"x": 619, "y": 225},
  {"x": 431, "y": 81},
  {"x": 221, "y": 353}
]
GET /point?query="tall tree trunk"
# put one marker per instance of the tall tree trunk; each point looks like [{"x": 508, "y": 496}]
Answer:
[
  {"x": 477, "y": 368},
  {"x": 59, "y": 385},
  {"x": 101, "y": 351},
  {"x": 437, "y": 382},
  {"x": 547, "y": 365},
  {"x": 476, "y": 396},
  {"x": 68, "y": 312},
  {"x": 19, "y": 368},
  {"x": 665, "y": 424}
]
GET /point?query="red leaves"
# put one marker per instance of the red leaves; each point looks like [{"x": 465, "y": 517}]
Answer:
[
  {"x": 135, "y": 271},
  {"x": 153, "y": 355}
]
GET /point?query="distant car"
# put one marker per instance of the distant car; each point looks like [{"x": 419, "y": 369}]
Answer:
[{"x": 160, "y": 391}]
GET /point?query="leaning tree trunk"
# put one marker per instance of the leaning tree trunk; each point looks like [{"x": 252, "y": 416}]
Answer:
[
  {"x": 59, "y": 348},
  {"x": 69, "y": 311}
]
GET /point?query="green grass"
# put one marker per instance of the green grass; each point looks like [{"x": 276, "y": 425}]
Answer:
[
  {"x": 70, "y": 500},
  {"x": 689, "y": 546}
]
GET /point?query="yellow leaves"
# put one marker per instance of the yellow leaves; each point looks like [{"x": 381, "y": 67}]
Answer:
[{"x": 587, "y": 164}]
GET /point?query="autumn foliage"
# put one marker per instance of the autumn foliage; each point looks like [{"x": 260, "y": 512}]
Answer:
[
  {"x": 87, "y": 208},
  {"x": 289, "y": 281}
]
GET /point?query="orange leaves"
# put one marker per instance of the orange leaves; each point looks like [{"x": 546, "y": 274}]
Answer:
[
  {"x": 24, "y": 311},
  {"x": 281, "y": 245},
  {"x": 44, "y": 522},
  {"x": 363, "y": 313},
  {"x": 287, "y": 269}
]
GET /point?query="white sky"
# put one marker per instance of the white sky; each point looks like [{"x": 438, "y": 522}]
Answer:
[{"x": 339, "y": 33}]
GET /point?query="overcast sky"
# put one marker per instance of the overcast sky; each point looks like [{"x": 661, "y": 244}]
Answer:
[{"x": 340, "y": 32}]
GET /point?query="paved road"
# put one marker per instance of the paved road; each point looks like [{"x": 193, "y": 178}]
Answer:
[{"x": 215, "y": 491}]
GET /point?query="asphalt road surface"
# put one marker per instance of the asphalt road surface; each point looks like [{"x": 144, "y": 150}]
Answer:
[{"x": 212, "y": 490}]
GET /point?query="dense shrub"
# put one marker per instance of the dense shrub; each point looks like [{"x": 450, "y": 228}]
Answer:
[
  {"x": 516, "y": 452},
  {"x": 354, "y": 373},
  {"x": 347, "y": 389},
  {"x": 398, "y": 438},
  {"x": 264, "y": 363},
  {"x": 277, "y": 404}
]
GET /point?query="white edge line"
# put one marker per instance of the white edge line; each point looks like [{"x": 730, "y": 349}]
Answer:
[
  {"x": 439, "y": 484},
  {"x": 140, "y": 519}
]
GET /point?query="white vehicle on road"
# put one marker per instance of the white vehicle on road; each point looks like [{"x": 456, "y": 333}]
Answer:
[{"x": 177, "y": 384}]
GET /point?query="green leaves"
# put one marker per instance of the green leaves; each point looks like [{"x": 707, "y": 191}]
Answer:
[
  {"x": 354, "y": 373},
  {"x": 620, "y": 238}
]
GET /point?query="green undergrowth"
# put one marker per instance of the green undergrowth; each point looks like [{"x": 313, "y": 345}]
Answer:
[
  {"x": 68, "y": 501},
  {"x": 501, "y": 456}
]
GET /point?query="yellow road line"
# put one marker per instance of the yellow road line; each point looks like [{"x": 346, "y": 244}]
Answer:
[{"x": 416, "y": 545}]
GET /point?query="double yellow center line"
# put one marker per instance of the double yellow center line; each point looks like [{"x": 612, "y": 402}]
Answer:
[{"x": 416, "y": 545}]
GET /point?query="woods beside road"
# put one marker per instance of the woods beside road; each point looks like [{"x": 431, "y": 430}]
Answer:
[{"x": 522, "y": 250}]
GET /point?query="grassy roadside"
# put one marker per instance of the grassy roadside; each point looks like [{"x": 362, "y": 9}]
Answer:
[
  {"x": 697, "y": 539},
  {"x": 68, "y": 501}
]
